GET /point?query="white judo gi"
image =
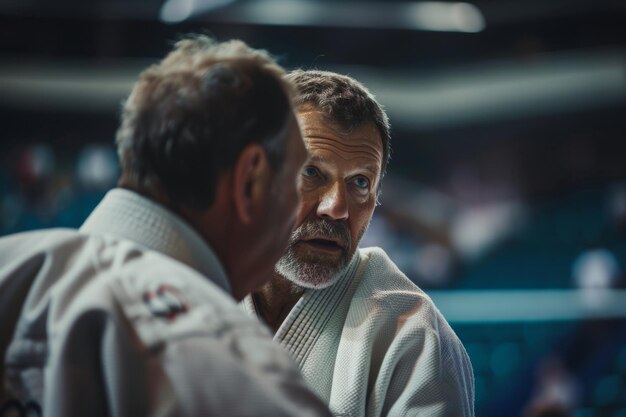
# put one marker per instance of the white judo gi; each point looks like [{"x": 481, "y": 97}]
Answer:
[
  {"x": 130, "y": 316},
  {"x": 374, "y": 344}
]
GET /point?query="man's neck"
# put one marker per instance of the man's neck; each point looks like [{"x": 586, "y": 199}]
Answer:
[{"x": 275, "y": 300}]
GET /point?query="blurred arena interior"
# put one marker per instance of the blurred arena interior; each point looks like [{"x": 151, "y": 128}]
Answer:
[{"x": 506, "y": 197}]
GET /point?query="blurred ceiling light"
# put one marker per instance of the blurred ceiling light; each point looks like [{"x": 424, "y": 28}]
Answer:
[
  {"x": 500, "y": 90},
  {"x": 485, "y": 92},
  {"x": 68, "y": 85},
  {"x": 175, "y": 11},
  {"x": 447, "y": 17},
  {"x": 427, "y": 15}
]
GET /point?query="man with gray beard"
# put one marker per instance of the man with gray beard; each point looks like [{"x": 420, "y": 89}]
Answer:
[
  {"x": 316, "y": 270},
  {"x": 367, "y": 339}
]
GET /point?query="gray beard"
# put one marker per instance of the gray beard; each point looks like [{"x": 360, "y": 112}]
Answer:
[
  {"x": 311, "y": 272},
  {"x": 314, "y": 270}
]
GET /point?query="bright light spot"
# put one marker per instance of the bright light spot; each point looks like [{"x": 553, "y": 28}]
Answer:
[
  {"x": 595, "y": 272},
  {"x": 176, "y": 11},
  {"x": 595, "y": 269},
  {"x": 290, "y": 12},
  {"x": 475, "y": 230},
  {"x": 446, "y": 17},
  {"x": 96, "y": 167}
]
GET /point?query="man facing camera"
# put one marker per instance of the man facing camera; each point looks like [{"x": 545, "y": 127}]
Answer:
[
  {"x": 368, "y": 340},
  {"x": 133, "y": 315}
]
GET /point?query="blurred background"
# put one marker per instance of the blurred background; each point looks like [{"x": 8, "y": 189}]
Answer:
[{"x": 506, "y": 194}]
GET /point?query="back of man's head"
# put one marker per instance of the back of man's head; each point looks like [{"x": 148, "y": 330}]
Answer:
[
  {"x": 345, "y": 101},
  {"x": 189, "y": 116}
]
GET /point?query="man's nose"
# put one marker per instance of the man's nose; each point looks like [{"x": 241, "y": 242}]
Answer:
[{"x": 333, "y": 202}]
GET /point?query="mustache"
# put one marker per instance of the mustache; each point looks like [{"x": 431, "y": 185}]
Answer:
[{"x": 324, "y": 228}]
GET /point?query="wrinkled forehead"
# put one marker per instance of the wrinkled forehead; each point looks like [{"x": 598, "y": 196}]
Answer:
[
  {"x": 314, "y": 122},
  {"x": 322, "y": 117},
  {"x": 322, "y": 137}
]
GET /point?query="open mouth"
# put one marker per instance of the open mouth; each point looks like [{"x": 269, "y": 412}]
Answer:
[{"x": 324, "y": 244}]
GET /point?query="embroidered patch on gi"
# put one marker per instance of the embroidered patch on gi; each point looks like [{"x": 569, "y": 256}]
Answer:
[{"x": 165, "y": 301}]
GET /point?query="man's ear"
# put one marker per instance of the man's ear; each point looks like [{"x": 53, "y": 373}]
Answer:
[{"x": 251, "y": 174}]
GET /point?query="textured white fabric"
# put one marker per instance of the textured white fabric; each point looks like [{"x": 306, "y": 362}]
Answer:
[
  {"x": 128, "y": 215},
  {"x": 81, "y": 335},
  {"x": 374, "y": 344}
]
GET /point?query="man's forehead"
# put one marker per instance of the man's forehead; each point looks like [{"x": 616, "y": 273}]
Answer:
[
  {"x": 313, "y": 122},
  {"x": 312, "y": 118}
]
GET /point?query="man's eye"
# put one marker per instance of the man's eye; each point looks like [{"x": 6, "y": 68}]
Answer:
[
  {"x": 310, "y": 172},
  {"x": 361, "y": 182}
]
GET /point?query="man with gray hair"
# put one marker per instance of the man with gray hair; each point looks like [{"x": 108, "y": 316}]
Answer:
[
  {"x": 134, "y": 314},
  {"x": 368, "y": 340}
]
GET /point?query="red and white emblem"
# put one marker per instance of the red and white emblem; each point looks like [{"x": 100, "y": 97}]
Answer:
[{"x": 166, "y": 301}]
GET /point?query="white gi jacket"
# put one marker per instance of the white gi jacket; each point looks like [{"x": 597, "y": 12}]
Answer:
[
  {"x": 374, "y": 344},
  {"x": 130, "y": 317}
]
